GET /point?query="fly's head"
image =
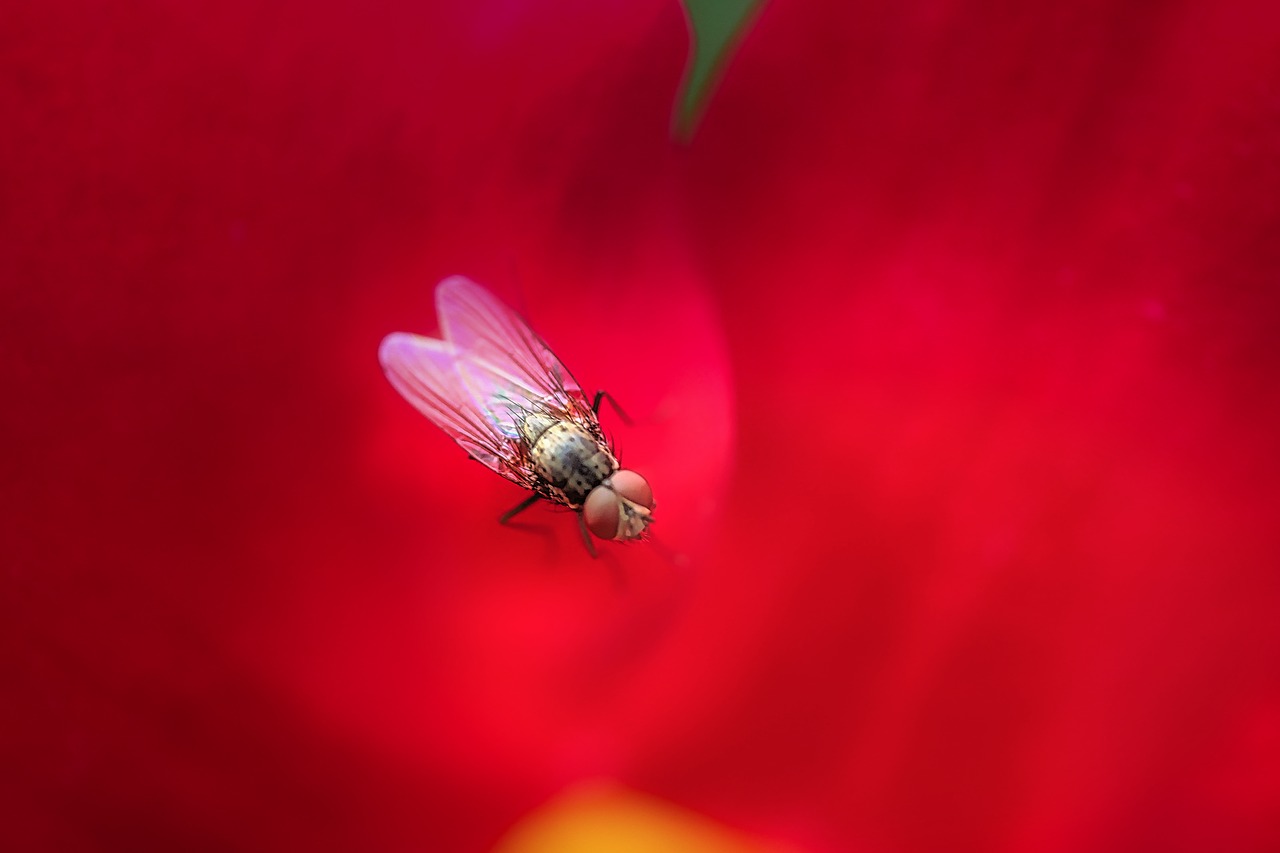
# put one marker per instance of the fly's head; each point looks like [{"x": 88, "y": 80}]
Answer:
[{"x": 620, "y": 508}]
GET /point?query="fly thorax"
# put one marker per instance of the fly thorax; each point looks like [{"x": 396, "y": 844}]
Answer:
[
  {"x": 571, "y": 460},
  {"x": 533, "y": 425}
]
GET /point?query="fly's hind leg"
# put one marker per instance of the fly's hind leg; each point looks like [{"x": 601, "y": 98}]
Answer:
[
  {"x": 605, "y": 395},
  {"x": 519, "y": 508}
]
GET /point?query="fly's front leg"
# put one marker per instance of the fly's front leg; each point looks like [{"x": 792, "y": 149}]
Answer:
[
  {"x": 519, "y": 508},
  {"x": 605, "y": 395},
  {"x": 586, "y": 536}
]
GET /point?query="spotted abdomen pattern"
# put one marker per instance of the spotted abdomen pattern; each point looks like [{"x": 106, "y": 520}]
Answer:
[{"x": 571, "y": 460}]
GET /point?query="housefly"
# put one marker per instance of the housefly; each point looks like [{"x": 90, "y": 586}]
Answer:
[{"x": 492, "y": 384}]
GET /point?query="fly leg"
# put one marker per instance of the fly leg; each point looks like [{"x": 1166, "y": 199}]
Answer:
[
  {"x": 533, "y": 499},
  {"x": 586, "y": 537},
  {"x": 605, "y": 395},
  {"x": 519, "y": 508}
]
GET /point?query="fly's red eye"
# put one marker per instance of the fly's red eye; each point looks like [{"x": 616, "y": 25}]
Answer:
[
  {"x": 600, "y": 512},
  {"x": 633, "y": 487}
]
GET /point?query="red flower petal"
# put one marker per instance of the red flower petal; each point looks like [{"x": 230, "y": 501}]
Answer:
[{"x": 951, "y": 343}]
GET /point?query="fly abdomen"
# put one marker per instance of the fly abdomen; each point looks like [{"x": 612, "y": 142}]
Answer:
[{"x": 571, "y": 460}]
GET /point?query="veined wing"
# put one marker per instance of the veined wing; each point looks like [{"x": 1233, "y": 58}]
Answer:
[
  {"x": 429, "y": 374},
  {"x": 508, "y": 367}
]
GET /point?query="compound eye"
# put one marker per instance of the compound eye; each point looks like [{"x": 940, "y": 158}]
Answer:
[
  {"x": 633, "y": 487},
  {"x": 600, "y": 512}
]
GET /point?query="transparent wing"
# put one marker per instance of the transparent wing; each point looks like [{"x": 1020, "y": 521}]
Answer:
[
  {"x": 429, "y": 373},
  {"x": 508, "y": 368}
]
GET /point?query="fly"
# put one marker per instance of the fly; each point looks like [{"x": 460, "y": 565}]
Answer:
[{"x": 494, "y": 386}]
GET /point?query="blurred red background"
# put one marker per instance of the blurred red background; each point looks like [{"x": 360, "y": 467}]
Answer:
[{"x": 952, "y": 344}]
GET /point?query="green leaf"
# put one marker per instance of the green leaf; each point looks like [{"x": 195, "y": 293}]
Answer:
[{"x": 715, "y": 28}]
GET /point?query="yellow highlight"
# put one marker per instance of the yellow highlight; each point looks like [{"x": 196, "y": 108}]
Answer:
[{"x": 606, "y": 818}]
